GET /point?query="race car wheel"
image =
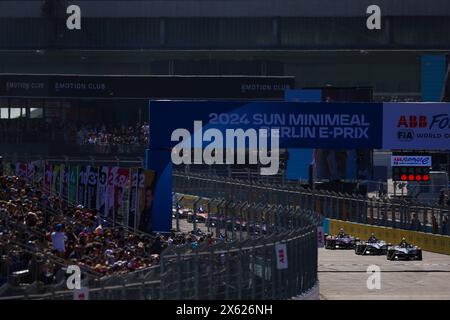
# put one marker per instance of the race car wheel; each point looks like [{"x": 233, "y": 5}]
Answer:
[
  {"x": 390, "y": 255},
  {"x": 419, "y": 256},
  {"x": 359, "y": 250},
  {"x": 329, "y": 245}
]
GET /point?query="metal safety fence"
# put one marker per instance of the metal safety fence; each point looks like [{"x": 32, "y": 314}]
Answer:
[
  {"x": 406, "y": 214},
  {"x": 243, "y": 269}
]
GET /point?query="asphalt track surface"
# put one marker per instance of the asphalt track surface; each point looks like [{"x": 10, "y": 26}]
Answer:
[{"x": 343, "y": 276}]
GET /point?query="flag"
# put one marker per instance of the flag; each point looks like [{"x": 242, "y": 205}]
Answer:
[
  {"x": 48, "y": 177},
  {"x": 120, "y": 185},
  {"x": 73, "y": 184},
  {"x": 91, "y": 192},
  {"x": 145, "y": 201},
  {"x": 31, "y": 171},
  {"x": 56, "y": 183},
  {"x": 21, "y": 170},
  {"x": 81, "y": 185},
  {"x": 64, "y": 181},
  {"x": 109, "y": 200},
  {"x": 101, "y": 190},
  {"x": 136, "y": 175}
]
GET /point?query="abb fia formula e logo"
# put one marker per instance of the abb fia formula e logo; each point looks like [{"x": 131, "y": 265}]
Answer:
[{"x": 407, "y": 124}]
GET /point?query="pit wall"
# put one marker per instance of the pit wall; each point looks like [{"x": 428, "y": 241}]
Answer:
[{"x": 428, "y": 242}]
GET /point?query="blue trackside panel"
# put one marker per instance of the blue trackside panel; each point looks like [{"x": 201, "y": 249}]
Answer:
[
  {"x": 303, "y": 95},
  {"x": 433, "y": 68},
  {"x": 326, "y": 225},
  {"x": 159, "y": 161}
]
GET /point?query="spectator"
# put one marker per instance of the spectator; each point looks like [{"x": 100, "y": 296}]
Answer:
[
  {"x": 31, "y": 219},
  {"x": 380, "y": 190},
  {"x": 434, "y": 224},
  {"x": 445, "y": 226},
  {"x": 40, "y": 130},
  {"x": 59, "y": 238},
  {"x": 415, "y": 223},
  {"x": 157, "y": 245},
  {"x": 442, "y": 198}
]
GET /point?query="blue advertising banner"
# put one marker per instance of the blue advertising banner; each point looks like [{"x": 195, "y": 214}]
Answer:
[{"x": 300, "y": 125}]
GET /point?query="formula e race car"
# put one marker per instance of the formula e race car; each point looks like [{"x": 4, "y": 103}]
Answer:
[
  {"x": 335, "y": 242},
  {"x": 377, "y": 248},
  {"x": 409, "y": 252}
]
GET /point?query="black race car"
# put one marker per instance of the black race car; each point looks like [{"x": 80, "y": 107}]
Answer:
[
  {"x": 337, "y": 242},
  {"x": 378, "y": 247},
  {"x": 408, "y": 252}
]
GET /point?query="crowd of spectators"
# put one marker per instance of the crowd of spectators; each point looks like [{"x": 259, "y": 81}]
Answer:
[
  {"x": 436, "y": 227},
  {"x": 444, "y": 199},
  {"x": 101, "y": 135},
  {"x": 43, "y": 131},
  {"x": 113, "y": 139},
  {"x": 42, "y": 234}
]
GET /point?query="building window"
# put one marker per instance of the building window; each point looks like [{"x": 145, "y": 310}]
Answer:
[
  {"x": 4, "y": 113},
  {"x": 15, "y": 113},
  {"x": 36, "y": 113}
]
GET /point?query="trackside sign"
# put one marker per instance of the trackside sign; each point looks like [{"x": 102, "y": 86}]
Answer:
[
  {"x": 420, "y": 126},
  {"x": 411, "y": 161},
  {"x": 281, "y": 254}
]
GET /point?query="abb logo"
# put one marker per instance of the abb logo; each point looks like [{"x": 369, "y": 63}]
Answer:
[
  {"x": 412, "y": 122},
  {"x": 437, "y": 121}
]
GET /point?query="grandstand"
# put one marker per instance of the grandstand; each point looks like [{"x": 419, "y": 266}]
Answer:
[{"x": 110, "y": 253}]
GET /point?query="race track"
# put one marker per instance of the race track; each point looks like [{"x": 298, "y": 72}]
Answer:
[{"x": 343, "y": 275}]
